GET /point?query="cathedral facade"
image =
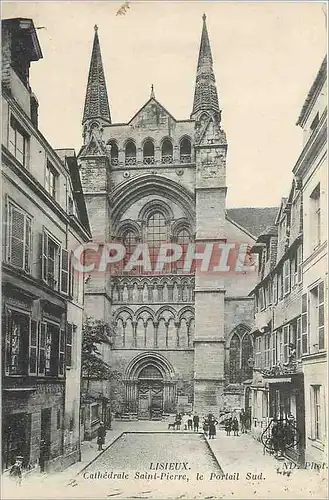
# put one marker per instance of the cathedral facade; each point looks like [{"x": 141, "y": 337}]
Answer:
[{"x": 179, "y": 336}]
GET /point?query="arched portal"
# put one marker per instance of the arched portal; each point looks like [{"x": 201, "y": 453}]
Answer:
[{"x": 150, "y": 386}]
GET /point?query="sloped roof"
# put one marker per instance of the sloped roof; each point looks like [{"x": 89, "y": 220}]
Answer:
[{"x": 255, "y": 219}]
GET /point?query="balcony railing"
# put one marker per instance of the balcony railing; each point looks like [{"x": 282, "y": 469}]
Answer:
[
  {"x": 114, "y": 162},
  {"x": 167, "y": 159},
  {"x": 148, "y": 160},
  {"x": 185, "y": 158},
  {"x": 288, "y": 368},
  {"x": 130, "y": 160}
]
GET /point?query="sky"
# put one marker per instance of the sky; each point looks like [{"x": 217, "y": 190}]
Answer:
[{"x": 266, "y": 56}]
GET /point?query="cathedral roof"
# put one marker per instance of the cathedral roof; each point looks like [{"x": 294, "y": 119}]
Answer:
[
  {"x": 255, "y": 219},
  {"x": 205, "y": 95},
  {"x": 96, "y": 103}
]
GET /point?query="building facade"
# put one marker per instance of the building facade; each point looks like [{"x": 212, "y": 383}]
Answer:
[
  {"x": 312, "y": 170},
  {"x": 42, "y": 297},
  {"x": 182, "y": 336},
  {"x": 290, "y": 380}
]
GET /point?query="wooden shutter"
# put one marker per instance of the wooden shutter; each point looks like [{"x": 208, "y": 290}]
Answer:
[
  {"x": 304, "y": 318},
  {"x": 69, "y": 341},
  {"x": 44, "y": 257},
  {"x": 321, "y": 314},
  {"x": 299, "y": 338},
  {"x": 61, "y": 349},
  {"x": 28, "y": 240},
  {"x": 64, "y": 271},
  {"x": 42, "y": 348},
  {"x": 7, "y": 336},
  {"x": 33, "y": 346},
  {"x": 71, "y": 275},
  {"x": 16, "y": 237}
]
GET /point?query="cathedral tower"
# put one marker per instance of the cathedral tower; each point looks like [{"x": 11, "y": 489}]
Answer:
[{"x": 210, "y": 191}]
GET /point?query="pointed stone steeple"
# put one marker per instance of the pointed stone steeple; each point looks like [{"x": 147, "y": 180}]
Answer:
[
  {"x": 96, "y": 103},
  {"x": 205, "y": 95}
]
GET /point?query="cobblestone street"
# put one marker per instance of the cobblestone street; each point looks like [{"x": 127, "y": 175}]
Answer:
[{"x": 130, "y": 447}]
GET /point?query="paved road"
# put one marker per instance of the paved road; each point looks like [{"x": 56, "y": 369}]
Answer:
[{"x": 131, "y": 467}]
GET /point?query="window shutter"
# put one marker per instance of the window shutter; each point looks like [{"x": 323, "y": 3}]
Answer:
[
  {"x": 42, "y": 348},
  {"x": 33, "y": 346},
  {"x": 61, "y": 353},
  {"x": 16, "y": 238},
  {"x": 321, "y": 315},
  {"x": 71, "y": 275},
  {"x": 299, "y": 339},
  {"x": 304, "y": 318},
  {"x": 69, "y": 341},
  {"x": 44, "y": 257},
  {"x": 28, "y": 240},
  {"x": 64, "y": 271}
]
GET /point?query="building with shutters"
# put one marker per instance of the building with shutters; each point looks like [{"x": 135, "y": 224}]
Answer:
[
  {"x": 290, "y": 331},
  {"x": 312, "y": 170},
  {"x": 180, "y": 337},
  {"x": 42, "y": 297}
]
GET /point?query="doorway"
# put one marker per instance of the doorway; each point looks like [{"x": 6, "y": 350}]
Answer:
[
  {"x": 150, "y": 393},
  {"x": 45, "y": 438}
]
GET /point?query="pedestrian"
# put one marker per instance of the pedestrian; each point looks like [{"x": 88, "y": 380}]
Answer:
[
  {"x": 212, "y": 427},
  {"x": 235, "y": 426},
  {"x": 196, "y": 422},
  {"x": 178, "y": 421},
  {"x": 189, "y": 422},
  {"x": 15, "y": 472},
  {"x": 101, "y": 433},
  {"x": 243, "y": 422},
  {"x": 184, "y": 421},
  {"x": 228, "y": 426},
  {"x": 206, "y": 427}
]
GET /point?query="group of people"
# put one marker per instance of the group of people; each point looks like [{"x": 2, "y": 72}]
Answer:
[
  {"x": 187, "y": 422},
  {"x": 209, "y": 426},
  {"x": 232, "y": 423}
]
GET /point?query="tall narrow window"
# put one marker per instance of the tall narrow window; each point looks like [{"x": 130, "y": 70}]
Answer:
[
  {"x": 19, "y": 238},
  {"x": 246, "y": 356},
  {"x": 286, "y": 341},
  {"x": 286, "y": 277},
  {"x": 185, "y": 151},
  {"x": 156, "y": 234},
  {"x": 51, "y": 180},
  {"x": 114, "y": 153},
  {"x": 183, "y": 239},
  {"x": 167, "y": 152},
  {"x": 316, "y": 410},
  {"x": 235, "y": 372},
  {"x": 17, "y": 340},
  {"x": 130, "y": 153},
  {"x": 316, "y": 216},
  {"x": 130, "y": 240},
  {"x": 18, "y": 141},
  {"x": 148, "y": 153}
]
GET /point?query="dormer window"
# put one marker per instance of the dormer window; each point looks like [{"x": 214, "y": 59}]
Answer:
[
  {"x": 51, "y": 180},
  {"x": 18, "y": 141}
]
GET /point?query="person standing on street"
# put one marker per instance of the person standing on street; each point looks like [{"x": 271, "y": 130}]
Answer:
[
  {"x": 189, "y": 422},
  {"x": 196, "y": 421},
  {"x": 101, "y": 433},
  {"x": 235, "y": 426},
  {"x": 243, "y": 421},
  {"x": 15, "y": 472},
  {"x": 212, "y": 427}
]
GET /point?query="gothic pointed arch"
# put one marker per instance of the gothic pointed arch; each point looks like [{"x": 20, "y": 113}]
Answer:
[
  {"x": 129, "y": 191},
  {"x": 155, "y": 205},
  {"x": 163, "y": 309}
]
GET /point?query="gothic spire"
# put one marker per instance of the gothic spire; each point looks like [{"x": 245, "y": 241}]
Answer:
[
  {"x": 205, "y": 95},
  {"x": 96, "y": 103}
]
